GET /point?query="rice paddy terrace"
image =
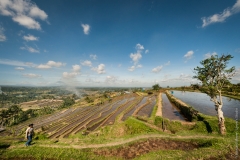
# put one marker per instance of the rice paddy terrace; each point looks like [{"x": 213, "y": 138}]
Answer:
[{"x": 89, "y": 118}]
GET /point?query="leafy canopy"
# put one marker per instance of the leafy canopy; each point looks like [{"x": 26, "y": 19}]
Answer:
[{"x": 214, "y": 74}]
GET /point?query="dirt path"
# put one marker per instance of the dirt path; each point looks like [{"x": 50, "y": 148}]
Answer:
[
  {"x": 121, "y": 142},
  {"x": 159, "y": 109}
]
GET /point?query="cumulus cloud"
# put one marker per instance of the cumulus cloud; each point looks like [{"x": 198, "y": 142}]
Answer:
[
  {"x": 136, "y": 57},
  {"x": 100, "y": 69},
  {"x": 216, "y": 18},
  {"x": 139, "y": 47},
  {"x": 86, "y": 28},
  {"x": 69, "y": 75},
  {"x": 93, "y": 56},
  {"x": 146, "y": 51},
  {"x": 31, "y": 75},
  {"x": 2, "y": 36},
  {"x": 75, "y": 71},
  {"x": 209, "y": 54},
  {"x": 19, "y": 68},
  {"x": 50, "y": 64},
  {"x": 87, "y": 63},
  {"x": 157, "y": 69},
  {"x": 30, "y": 37},
  {"x": 24, "y": 12},
  {"x": 189, "y": 55},
  {"x": 76, "y": 68},
  {"x": 30, "y": 49},
  {"x": 132, "y": 68}
]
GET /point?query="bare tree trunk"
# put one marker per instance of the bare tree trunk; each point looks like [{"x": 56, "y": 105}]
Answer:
[{"x": 221, "y": 124}]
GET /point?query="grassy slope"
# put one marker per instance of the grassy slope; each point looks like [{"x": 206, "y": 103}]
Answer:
[
  {"x": 130, "y": 128},
  {"x": 201, "y": 132}
]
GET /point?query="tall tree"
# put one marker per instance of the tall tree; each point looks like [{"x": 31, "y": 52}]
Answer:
[{"x": 214, "y": 75}]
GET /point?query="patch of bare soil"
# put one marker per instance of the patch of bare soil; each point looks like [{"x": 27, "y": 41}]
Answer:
[
  {"x": 143, "y": 147},
  {"x": 232, "y": 155}
]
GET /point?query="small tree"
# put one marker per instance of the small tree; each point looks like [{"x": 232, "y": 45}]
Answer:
[
  {"x": 214, "y": 76},
  {"x": 156, "y": 87}
]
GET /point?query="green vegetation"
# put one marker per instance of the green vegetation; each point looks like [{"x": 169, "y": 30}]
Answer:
[
  {"x": 214, "y": 75},
  {"x": 67, "y": 102},
  {"x": 198, "y": 134},
  {"x": 15, "y": 115},
  {"x": 119, "y": 140},
  {"x": 156, "y": 87}
]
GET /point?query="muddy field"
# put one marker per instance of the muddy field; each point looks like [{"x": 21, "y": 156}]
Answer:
[{"x": 140, "y": 148}]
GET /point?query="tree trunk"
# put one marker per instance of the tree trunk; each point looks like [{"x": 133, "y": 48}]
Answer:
[{"x": 221, "y": 124}]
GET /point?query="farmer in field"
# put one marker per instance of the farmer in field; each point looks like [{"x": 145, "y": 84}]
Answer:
[{"x": 29, "y": 134}]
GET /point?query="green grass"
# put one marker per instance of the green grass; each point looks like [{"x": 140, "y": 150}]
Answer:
[{"x": 213, "y": 144}]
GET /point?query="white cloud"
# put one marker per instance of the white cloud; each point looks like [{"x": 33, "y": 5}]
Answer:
[
  {"x": 189, "y": 55},
  {"x": 43, "y": 66},
  {"x": 135, "y": 57},
  {"x": 75, "y": 71},
  {"x": 157, "y": 69},
  {"x": 100, "y": 69},
  {"x": 15, "y": 63},
  {"x": 93, "y": 56},
  {"x": 76, "y": 68},
  {"x": 208, "y": 55},
  {"x": 30, "y": 37},
  {"x": 69, "y": 75},
  {"x": 55, "y": 64},
  {"x": 27, "y": 22},
  {"x": 23, "y": 12},
  {"x": 146, "y": 51},
  {"x": 31, "y": 75},
  {"x": 50, "y": 64},
  {"x": 87, "y": 63},
  {"x": 139, "y": 47},
  {"x": 132, "y": 68},
  {"x": 30, "y": 49},
  {"x": 2, "y": 36},
  {"x": 86, "y": 28},
  {"x": 222, "y": 16},
  {"x": 19, "y": 68},
  {"x": 38, "y": 13}
]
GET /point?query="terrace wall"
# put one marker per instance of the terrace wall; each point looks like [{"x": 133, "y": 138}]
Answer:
[{"x": 189, "y": 112}]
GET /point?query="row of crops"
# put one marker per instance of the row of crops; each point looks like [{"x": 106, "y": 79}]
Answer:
[{"x": 90, "y": 118}]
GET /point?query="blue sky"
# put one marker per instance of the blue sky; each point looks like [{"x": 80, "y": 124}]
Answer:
[{"x": 122, "y": 43}]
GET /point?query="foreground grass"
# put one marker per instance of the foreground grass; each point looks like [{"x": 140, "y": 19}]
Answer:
[{"x": 213, "y": 144}]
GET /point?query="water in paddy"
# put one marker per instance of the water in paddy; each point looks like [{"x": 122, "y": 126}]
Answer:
[
  {"x": 169, "y": 110},
  {"x": 202, "y": 103}
]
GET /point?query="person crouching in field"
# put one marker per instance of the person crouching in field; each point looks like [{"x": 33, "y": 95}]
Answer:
[{"x": 29, "y": 134}]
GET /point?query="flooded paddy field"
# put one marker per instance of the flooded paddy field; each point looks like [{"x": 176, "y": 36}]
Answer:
[{"x": 203, "y": 104}]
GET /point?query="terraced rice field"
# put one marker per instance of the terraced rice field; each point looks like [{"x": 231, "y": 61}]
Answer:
[{"x": 76, "y": 120}]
